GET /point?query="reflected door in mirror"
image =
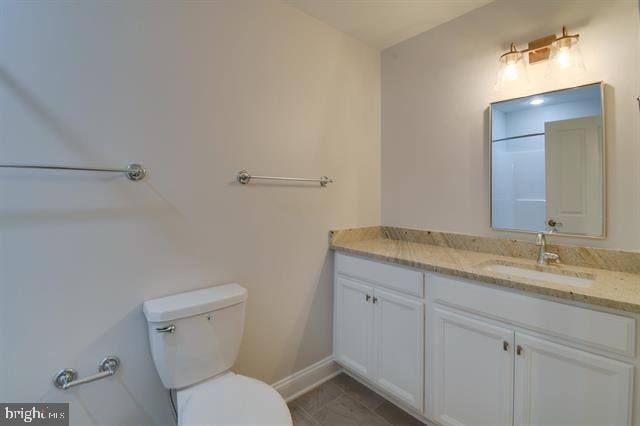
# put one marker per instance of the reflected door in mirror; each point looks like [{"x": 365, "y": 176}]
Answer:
[{"x": 573, "y": 157}]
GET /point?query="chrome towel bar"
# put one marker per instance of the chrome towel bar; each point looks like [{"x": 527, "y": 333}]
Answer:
[
  {"x": 244, "y": 177},
  {"x": 134, "y": 172},
  {"x": 68, "y": 377}
]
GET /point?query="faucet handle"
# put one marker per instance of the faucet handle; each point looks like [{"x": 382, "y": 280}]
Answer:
[
  {"x": 552, "y": 225},
  {"x": 540, "y": 239}
]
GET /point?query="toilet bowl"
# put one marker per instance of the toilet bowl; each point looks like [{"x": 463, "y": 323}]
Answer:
[
  {"x": 195, "y": 338},
  {"x": 232, "y": 400}
]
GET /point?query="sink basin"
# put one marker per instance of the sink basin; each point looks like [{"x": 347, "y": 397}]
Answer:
[{"x": 541, "y": 273}]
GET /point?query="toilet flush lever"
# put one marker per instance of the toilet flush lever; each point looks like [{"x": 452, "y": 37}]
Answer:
[{"x": 168, "y": 329}]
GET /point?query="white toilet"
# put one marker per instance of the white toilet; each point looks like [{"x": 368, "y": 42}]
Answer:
[{"x": 195, "y": 338}]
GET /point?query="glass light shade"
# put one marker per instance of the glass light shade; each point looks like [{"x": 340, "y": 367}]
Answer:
[
  {"x": 565, "y": 55},
  {"x": 513, "y": 70}
]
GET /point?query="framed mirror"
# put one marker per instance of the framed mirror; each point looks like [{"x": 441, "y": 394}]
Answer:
[{"x": 547, "y": 162}]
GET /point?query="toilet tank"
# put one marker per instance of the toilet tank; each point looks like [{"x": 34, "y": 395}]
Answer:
[{"x": 195, "y": 335}]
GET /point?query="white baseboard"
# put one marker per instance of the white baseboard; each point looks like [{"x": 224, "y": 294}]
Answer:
[{"x": 308, "y": 378}]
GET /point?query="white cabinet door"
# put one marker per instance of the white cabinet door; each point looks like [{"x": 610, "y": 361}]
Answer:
[
  {"x": 354, "y": 325},
  {"x": 558, "y": 385},
  {"x": 399, "y": 342},
  {"x": 472, "y": 371}
]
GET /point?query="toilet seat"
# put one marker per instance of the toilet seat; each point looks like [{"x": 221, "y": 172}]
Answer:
[{"x": 231, "y": 399}]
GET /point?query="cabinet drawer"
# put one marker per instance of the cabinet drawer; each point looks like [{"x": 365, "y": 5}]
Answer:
[
  {"x": 601, "y": 330},
  {"x": 393, "y": 277}
]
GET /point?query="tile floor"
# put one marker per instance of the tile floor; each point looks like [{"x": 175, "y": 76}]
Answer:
[{"x": 344, "y": 401}]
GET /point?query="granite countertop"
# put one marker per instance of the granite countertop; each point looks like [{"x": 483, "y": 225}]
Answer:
[{"x": 610, "y": 288}]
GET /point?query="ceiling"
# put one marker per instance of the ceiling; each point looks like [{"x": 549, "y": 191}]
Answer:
[{"x": 383, "y": 23}]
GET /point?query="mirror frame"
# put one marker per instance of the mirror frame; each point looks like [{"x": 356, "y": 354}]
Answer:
[{"x": 604, "y": 164}]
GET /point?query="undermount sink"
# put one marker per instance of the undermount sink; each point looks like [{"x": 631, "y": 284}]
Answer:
[{"x": 541, "y": 273}]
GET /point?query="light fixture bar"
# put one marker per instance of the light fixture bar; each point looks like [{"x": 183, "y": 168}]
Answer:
[{"x": 540, "y": 49}]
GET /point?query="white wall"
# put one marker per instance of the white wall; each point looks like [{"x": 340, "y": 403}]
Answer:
[
  {"x": 436, "y": 89},
  {"x": 195, "y": 91}
]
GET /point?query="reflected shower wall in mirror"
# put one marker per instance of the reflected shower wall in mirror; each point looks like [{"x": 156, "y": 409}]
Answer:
[{"x": 547, "y": 162}]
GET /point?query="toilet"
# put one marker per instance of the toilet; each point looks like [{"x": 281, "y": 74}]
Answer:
[{"x": 195, "y": 338}]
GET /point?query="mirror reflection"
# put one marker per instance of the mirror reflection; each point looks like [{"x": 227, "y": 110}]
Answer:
[{"x": 547, "y": 162}]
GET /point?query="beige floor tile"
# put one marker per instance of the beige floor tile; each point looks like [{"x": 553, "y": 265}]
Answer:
[
  {"x": 353, "y": 388},
  {"x": 396, "y": 416},
  {"x": 300, "y": 417},
  {"x": 318, "y": 397},
  {"x": 347, "y": 411}
]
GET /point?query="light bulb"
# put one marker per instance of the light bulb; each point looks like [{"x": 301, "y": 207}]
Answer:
[
  {"x": 564, "y": 58},
  {"x": 565, "y": 55},
  {"x": 511, "y": 72}
]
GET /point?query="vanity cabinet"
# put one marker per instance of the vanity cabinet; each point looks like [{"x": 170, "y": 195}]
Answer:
[
  {"x": 399, "y": 346},
  {"x": 472, "y": 371},
  {"x": 556, "y": 384},
  {"x": 354, "y": 326},
  {"x": 490, "y": 363},
  {"x": 460, "y": 352},
  {"x": 379, "y": 326}
]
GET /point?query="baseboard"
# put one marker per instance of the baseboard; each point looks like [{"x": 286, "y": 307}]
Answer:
[{"x": 308, "y": 378}]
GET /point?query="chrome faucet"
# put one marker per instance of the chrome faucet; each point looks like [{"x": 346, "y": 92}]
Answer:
[{"x": 544, "y": 257}]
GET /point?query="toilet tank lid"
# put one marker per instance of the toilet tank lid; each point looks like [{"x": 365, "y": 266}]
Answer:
[{"x": 192, "y": 303}]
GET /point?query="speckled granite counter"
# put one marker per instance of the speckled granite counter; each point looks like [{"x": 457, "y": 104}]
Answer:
[{"x": 616, "y": 274}]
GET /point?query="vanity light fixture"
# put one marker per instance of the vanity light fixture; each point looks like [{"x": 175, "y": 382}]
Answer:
[
  {"x": 512, "y": 68},
  {"x": 562, "y": 52},
  {"x": 565, "y": 54}
]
